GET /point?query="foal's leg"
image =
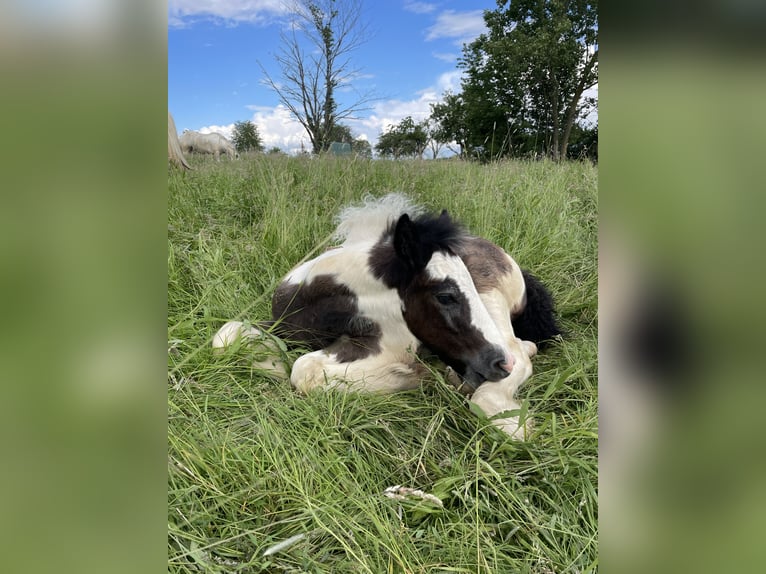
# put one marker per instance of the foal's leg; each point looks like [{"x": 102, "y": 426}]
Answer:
[
  {"x": 234, "y": 331},
  {"x": 382, "y": 373},
  {"x": 494, "y": 398}
]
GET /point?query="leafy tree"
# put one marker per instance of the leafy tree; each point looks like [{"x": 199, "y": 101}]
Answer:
[
  {"x": 451, "y": 118},
  {"x": 524, "y": 78},
  {"x": 406, "y": 139},
  {"x": 387, "y": 145},
  {"x": 478, "y": 129},
  {"x": 436, "y": 140},
  {"x": 362, "y": 148},
  {"x": 315, "y": 61},
  {"x": 583, "y": 143},
  {"x": 246, "y": 137},
  {"x": 341, "y": 133}
]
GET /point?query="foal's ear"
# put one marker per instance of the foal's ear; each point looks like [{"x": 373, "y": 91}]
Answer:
[{"x": 407, "y": 244}]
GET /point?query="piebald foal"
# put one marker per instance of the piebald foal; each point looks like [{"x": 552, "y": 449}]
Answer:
[{"x": 403, "y": 285}]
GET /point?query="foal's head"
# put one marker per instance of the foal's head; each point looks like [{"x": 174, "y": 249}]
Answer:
[{"x": 440, "y": 303}]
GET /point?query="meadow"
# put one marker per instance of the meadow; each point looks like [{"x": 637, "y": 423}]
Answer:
[{"x": 262, "y": 479}]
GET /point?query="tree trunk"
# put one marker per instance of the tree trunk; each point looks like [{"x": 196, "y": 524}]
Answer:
[
  {"x": 555, "y": 104},
  {"x": 572, "y": 110}
]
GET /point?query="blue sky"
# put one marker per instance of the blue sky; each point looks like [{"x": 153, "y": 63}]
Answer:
[{"x": 215, "y": 47}]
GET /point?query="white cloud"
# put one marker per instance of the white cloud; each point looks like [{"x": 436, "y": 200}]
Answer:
[
  {"x": 278, "y": 128},
  {"x": 419, "y": 7},
  {"x": 225, "y": 131},
  {"x": 449, "y": 81},
  {"x": 462, "y": 26},
  {"x": 449, "y": 57},
  {"x": 182, "y": 12},
  {"x": 391, "y": 112}
]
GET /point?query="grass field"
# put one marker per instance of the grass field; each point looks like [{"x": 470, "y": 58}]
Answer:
[{"x": 261, "y": 479}]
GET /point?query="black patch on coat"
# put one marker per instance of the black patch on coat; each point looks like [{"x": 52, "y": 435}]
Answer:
[
  {"x": 323, "y": 314},
  {"x": 441, "y": 327},
  {"x": 537, "y": 321},
  {"x": 437, "y": 313}
]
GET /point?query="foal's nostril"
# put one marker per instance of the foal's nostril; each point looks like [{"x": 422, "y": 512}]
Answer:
[
  {"x": 492, "y": 365},
  {"x": 503, "y": 365}
]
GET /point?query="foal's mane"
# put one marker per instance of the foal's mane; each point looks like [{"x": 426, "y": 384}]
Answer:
[
  {"x": 437, "y": 233},
  {"x": 376, "y": 218},
  {"x": 404, "y": 245},
  {"x": 369, "y": 219}
]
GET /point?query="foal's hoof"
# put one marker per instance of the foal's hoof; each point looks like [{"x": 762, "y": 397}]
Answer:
[
  {"x": 512, "y": 427},
  {"x": 529, "y": 348},
  {"x": 308, "y": 372},
  {"x": 230, "y": 333}
]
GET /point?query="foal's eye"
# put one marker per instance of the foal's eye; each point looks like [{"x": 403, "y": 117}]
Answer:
[{"x": 446, "y": 298}]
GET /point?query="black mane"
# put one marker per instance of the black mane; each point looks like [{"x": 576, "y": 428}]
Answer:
[
  {"x": 440, "y": 233},
  {"x": 406, "y": 247}
]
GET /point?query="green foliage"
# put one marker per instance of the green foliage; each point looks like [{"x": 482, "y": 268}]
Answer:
[
  {"x": 435, "y": 136},
  {"x": 341, "y": 133},
  {"x": 362, "y": 148},
  {"x": 254, "y": 466},
  {"x": 583, "y": 143},
  {"x": 524, "y": 79},
  {"x": 246, "y": 137},
  {"x": 405, "y": 139},
  {"x": 451, "y": 119}
]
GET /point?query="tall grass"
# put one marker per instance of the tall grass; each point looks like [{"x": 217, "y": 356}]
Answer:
[{"x": 262, "y": 479}]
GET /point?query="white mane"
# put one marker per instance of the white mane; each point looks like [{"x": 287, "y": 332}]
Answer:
[{"x": 369, "y": 219}]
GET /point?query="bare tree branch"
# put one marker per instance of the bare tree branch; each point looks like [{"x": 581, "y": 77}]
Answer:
[{"x": 315, "y": 60}]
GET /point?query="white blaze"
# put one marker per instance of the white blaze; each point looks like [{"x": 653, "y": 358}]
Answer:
[{"x": 443, "y": 266}]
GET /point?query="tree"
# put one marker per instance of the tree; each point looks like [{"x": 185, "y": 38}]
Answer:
[
  {"x": 450, "y": 117},
  {"x": 435, "y": 135},
  {"x": 528, "y": 73},
  {"x": 246, "y": 137},
  {"x": 341, "y": 133},
  {"x": 583, "y": 143},
  {"x": 362, "y": 148},
  {"x": 315, "y": 62},
  {"x": 407, "y": 138}
]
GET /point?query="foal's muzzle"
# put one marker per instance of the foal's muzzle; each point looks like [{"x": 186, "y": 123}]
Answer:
[{"x": 491, "y": 365}]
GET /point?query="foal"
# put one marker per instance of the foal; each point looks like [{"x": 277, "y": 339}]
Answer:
[{"x": 403, "y": 285}]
